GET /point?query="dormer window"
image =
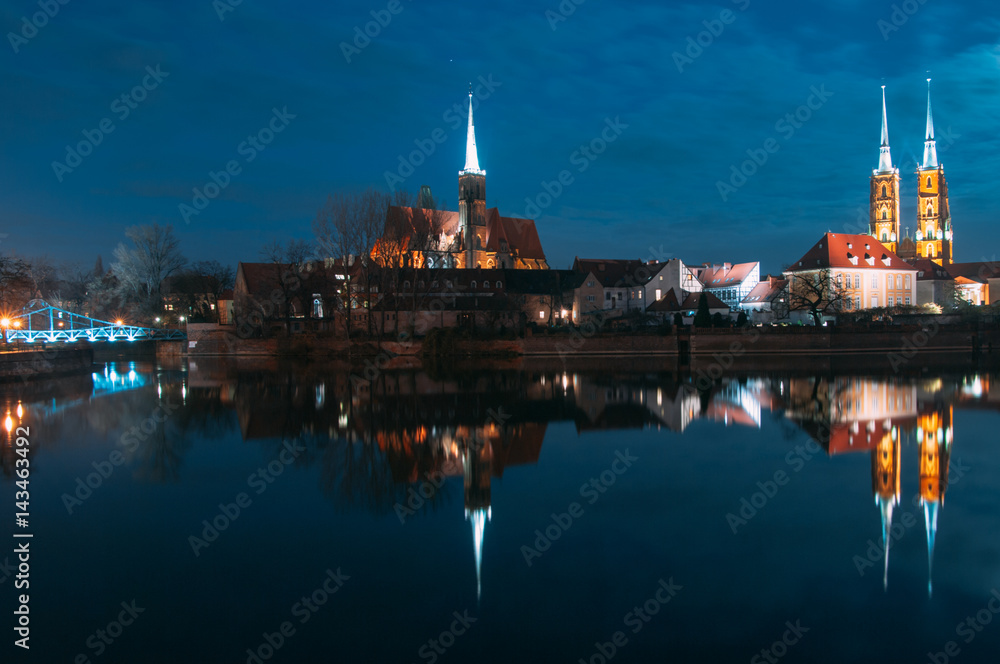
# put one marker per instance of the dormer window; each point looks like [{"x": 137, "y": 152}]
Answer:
[
  {"x": 869, "y": 259},
  {"x": 851, "y": 257},
  {"x": 850, "y": 246},
  {"x": 885, "y": 260}
]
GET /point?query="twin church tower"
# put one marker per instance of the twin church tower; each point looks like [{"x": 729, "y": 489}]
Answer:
[{"x": 933, "y": 237}]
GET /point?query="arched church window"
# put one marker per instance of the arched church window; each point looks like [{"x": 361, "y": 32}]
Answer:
[
  {"x": 883, "y": 191},
  {"x": 930, "y": 209},
  {"x": 885, "y": 236},
  {"x": 885, "y": 214},
  {"x": 473, "y": 284},
  {"x": 486, "y": 284},
  {"x": 930, "y": 251},
  {"x": 928, "y": 182}
]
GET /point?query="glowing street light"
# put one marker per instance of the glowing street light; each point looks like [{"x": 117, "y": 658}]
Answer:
[{"x": 118, "y": 322}]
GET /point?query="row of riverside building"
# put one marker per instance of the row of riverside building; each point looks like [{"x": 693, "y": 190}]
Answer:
[{"x": 436, "y": 268}]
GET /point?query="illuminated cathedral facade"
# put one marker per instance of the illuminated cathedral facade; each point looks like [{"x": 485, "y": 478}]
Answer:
[
  {"x": 474, "y": 237},
  {"x": 933, "y": 237}
]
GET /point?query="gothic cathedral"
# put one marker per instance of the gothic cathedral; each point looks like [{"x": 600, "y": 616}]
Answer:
[{"x": 933, "y": 237}]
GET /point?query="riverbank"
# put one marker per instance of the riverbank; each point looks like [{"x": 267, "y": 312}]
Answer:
[
  {"x": 44, "y": 363},
  {"x": 748, "y": 342}
]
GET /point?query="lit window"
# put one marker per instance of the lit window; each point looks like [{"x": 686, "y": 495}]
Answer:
[
  {"x": 907, "y": 280},
  {"x": 541, "y": 314}
]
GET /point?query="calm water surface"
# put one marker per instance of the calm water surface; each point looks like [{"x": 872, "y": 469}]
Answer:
[{"x": 288, "y": 514}]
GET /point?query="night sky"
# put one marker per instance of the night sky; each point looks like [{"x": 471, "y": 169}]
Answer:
[{"x": 549, "y": 87}]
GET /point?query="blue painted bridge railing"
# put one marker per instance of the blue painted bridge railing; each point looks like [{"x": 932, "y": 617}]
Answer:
[{"x": 42, "y": 322}]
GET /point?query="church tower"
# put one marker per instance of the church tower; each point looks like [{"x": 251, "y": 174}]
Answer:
[
  {"x": 934, "y": 436},
  {"x": 934, "y": 234},
  {"x": 885, "y": 486},
  {"x": 472, "y": 200},
  {"x": 884, "y": 200}
]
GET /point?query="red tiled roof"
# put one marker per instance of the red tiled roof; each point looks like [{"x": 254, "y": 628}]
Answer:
[
  {"x": 521, "y": 235},
  {"x": 766, "y": 290},
  {"x": 725, "y": 275},
  {"x": 841, "y": 250},
  {"x": 976, "y": 271},
  {"x": 928, "y": 270}
]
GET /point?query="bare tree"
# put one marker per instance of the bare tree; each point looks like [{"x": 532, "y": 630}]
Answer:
[
  {"x": 140, "y": 269},
  {"x": 353, "y": 227},
  {"x": 289, "y": 261},
  {"x": 15, "y": 283},
  {"x": 816, "y": 293}
]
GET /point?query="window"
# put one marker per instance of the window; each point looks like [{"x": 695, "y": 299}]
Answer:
[
  {"x": 659, "y": 293},
  {"x": 930, "y": 212},
  {"x": 874, "y": 301},
  {"x": 541, "y": 314},
  {"x": 930, "y": 251},
  {"x": 840, "y": 281},
  {"x": 857, "y": 281},
  {"x": 885, "y": 214},
  {"x": 590, "y": 284},
  {"x": 907, "y": 282},
  {"x": 317, "y": 306},
  {"x": 874, "y": 281},
  {"x": 473, "y": 284},
  {"x": 486, "y": 283},
  {"x": 890, "y": 301},
  {"x": 607, "y": 296},
  {"x": 929, "y": 182},
  {"x": 499, "y": 284},
  {"x": 907, "y": 299},
  {"x": 883, "y": 195},
  {"x": 590, "y": 298},
  {"x": 899, "y": 281},
  {"x": 857, "y": 301}
]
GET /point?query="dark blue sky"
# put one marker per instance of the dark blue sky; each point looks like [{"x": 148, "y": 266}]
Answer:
[{"x": 652, "y": 193}]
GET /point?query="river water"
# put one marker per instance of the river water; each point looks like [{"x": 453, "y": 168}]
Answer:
[{"x": 262, "y": 512}]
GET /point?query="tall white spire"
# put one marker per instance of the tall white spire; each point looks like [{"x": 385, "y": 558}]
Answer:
[
  {"x": 479, "y": 517},
  {"x": 885, "y": 505},
  {"x": 884, "y": 159},
  {"x": 930, "y": 522},
  {"x": 471, "y": 156},
  {"x": 930, "y": 147}
]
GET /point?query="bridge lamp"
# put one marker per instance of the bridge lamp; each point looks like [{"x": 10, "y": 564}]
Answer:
[
  {"x": 5, "y": 322},
  {"x": 157, "y": 319},
  {"x": 17, "y": 323},
  {"x": 182, "y": 319},
  {"x": 118, "y": 322}
]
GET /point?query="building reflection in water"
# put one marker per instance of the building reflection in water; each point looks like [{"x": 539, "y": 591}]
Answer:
[{"x": 375, "y": 442}]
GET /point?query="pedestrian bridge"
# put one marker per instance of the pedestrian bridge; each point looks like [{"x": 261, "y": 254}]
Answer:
[{"x": 44, "y": 323}]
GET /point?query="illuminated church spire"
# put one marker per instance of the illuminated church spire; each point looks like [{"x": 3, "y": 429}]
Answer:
[
  {"x": 884, "y": 159},
  {"x": 471, "y": 156},
  {"x": 479, "y": 517},
  {"x": 930, "y": 147},
  {"x": 930, "y": 521},
  {"x": 885, "y": 504}
]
